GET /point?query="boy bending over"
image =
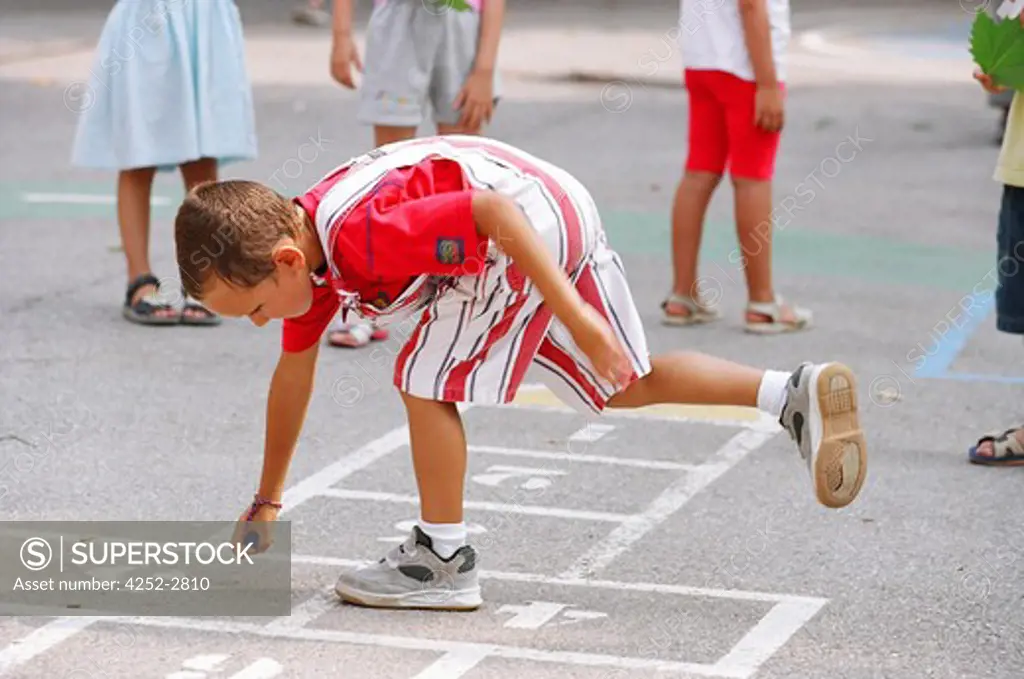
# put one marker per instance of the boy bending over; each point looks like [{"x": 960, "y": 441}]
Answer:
[{"x": 500, "y": 262}]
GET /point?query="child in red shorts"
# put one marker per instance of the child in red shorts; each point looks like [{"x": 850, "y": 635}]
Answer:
[{"x": 734, "y": 72}]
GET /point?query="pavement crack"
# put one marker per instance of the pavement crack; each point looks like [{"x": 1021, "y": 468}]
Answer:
[{"x": 18, "y": 439}]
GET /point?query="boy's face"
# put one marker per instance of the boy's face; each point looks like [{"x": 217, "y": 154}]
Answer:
[{"x": 287, "y": 293}]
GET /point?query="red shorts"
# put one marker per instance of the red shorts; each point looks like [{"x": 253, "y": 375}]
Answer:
[{"x": 722, "y": 128}]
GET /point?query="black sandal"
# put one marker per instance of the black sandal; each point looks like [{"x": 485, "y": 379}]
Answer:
[
  {"x": 146, "y": 310},
  {"x": 1007, "y": 449},
  {"x": 194, "y": 313}
]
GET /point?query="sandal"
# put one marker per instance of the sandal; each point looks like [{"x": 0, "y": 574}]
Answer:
[
  {"x": 1007, "y": 449},
  {"x": 353, "y": 336},
  {"x": 194, "y": 313},
  {"x": 148, "y": 309},
  {"x": 781, "y": 318},
  {"x": 697, "y": 312}
]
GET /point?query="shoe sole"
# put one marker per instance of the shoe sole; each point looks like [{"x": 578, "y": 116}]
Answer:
[
  {"x": 842, "y": 449},
  {"x": 464, "y": 600}
]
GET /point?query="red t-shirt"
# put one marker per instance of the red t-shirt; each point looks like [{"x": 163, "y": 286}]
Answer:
[{"x": 414, "y": 220}]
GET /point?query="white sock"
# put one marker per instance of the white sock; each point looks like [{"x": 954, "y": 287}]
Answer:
[
  {"x": 446, "y": 537},
  {"x": 771, "y": 394}
]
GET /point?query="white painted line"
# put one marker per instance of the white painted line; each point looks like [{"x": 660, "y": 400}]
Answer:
[
  {"x": 577, "y": 457},
  {"x": 531, "y": 510},
  {"x": 530, "y": 478},
  {"x": 317, "y": 483},
  {"x": 767, "y": 637},
  {"x": 41, "y": 640},
  {"x": 554, "y": 581},
  {"x": 592, "y": 432},
  {"x": 82, "y": 199},
  {"x": 22, "y": 650},
  {"x": 666, "y": 504},
  {"x": 434, "y": 645},
  {"x": 533, "y": 615},
  {"x": 264, "y": 668},
  {"x": 307, "y": 611},
  {"x": 454, "y": 664},
  {"x": 205, "y": 663}
]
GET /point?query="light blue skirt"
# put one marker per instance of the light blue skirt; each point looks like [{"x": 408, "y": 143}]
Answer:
[{"x": 168, "y": 85}]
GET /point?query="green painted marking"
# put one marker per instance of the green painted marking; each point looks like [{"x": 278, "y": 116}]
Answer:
[
  {"x": 804, "y": 252},
  {"x": 813, "y": 253},
  {"x": 14, "y": 206}
]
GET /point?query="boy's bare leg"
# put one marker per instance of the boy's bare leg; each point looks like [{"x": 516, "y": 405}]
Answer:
[
  {"x": 688, "y": 377},
  {"x": 439, "y": 458},
  {"x": 816, "y": 404},
  {"x": 689, "y": 207},
  {"x": 434, "y": 568}
]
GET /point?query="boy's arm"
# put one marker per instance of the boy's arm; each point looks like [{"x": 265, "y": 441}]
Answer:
[
  {"x": 290, "y": 391},
  {"x": 500, "y": 219}
]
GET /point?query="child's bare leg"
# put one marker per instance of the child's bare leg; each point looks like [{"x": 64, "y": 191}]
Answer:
[
  {"x": 387, "y": 134},
  {"x": 444, "y": 128},
  {"x": 438, "y": 444},
  {"x": 816, "y": 404},
  {"x": 199, "y": 171},
  {"x": 688, "y": 377},
  {"x": 692, "y": 197},
  {"x": 434, "y": 568},
  {"x": 193, "y": 174},
  {"x": 754, "y": 231},
  {"x": 134, "y": 188}
]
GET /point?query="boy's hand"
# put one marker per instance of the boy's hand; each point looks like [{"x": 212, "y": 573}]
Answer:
[
  {"x": 345, "y": 55},
  {"x": 594, "y": 336},
  {"x": 259, "y": 523},
  {"x": 987, "y": 84},
  {"x": 476, "y": 101},
  {"x": 768, "y": 108}
]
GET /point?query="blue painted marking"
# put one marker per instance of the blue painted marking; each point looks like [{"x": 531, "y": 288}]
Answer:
[{"x": 955, "y": 339}]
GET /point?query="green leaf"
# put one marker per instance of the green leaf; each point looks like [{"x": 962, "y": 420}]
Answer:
[{"x": 998, "y": 49}]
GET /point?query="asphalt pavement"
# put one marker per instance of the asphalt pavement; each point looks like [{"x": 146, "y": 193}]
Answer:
[{"x": 676, "y": 542}]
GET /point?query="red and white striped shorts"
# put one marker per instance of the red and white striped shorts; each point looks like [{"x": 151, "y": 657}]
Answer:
[{"x": 477, "y": 338}]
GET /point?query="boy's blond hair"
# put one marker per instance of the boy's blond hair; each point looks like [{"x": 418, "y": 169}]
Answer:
[{"x": 229, "y": 229}]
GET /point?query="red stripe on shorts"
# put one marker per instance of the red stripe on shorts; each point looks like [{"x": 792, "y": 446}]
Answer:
[
  {"x": 567, "y": 364},
  {"x": 455, "y": 385},
  {"x": 407, "y": 349},
  {"x": 533, "y": 336},
  {"x": 591, "y": 294}
]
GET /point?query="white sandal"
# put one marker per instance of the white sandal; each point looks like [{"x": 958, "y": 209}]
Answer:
[
  {"x": 800, "y": 318},
  {"x": 698, "y": 312}
]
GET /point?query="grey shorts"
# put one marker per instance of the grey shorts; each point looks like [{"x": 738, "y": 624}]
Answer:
[{"x": 418, "y": 56}]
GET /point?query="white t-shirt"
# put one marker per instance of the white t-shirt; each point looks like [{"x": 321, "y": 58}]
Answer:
[{"x": 711, "y": 36}]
